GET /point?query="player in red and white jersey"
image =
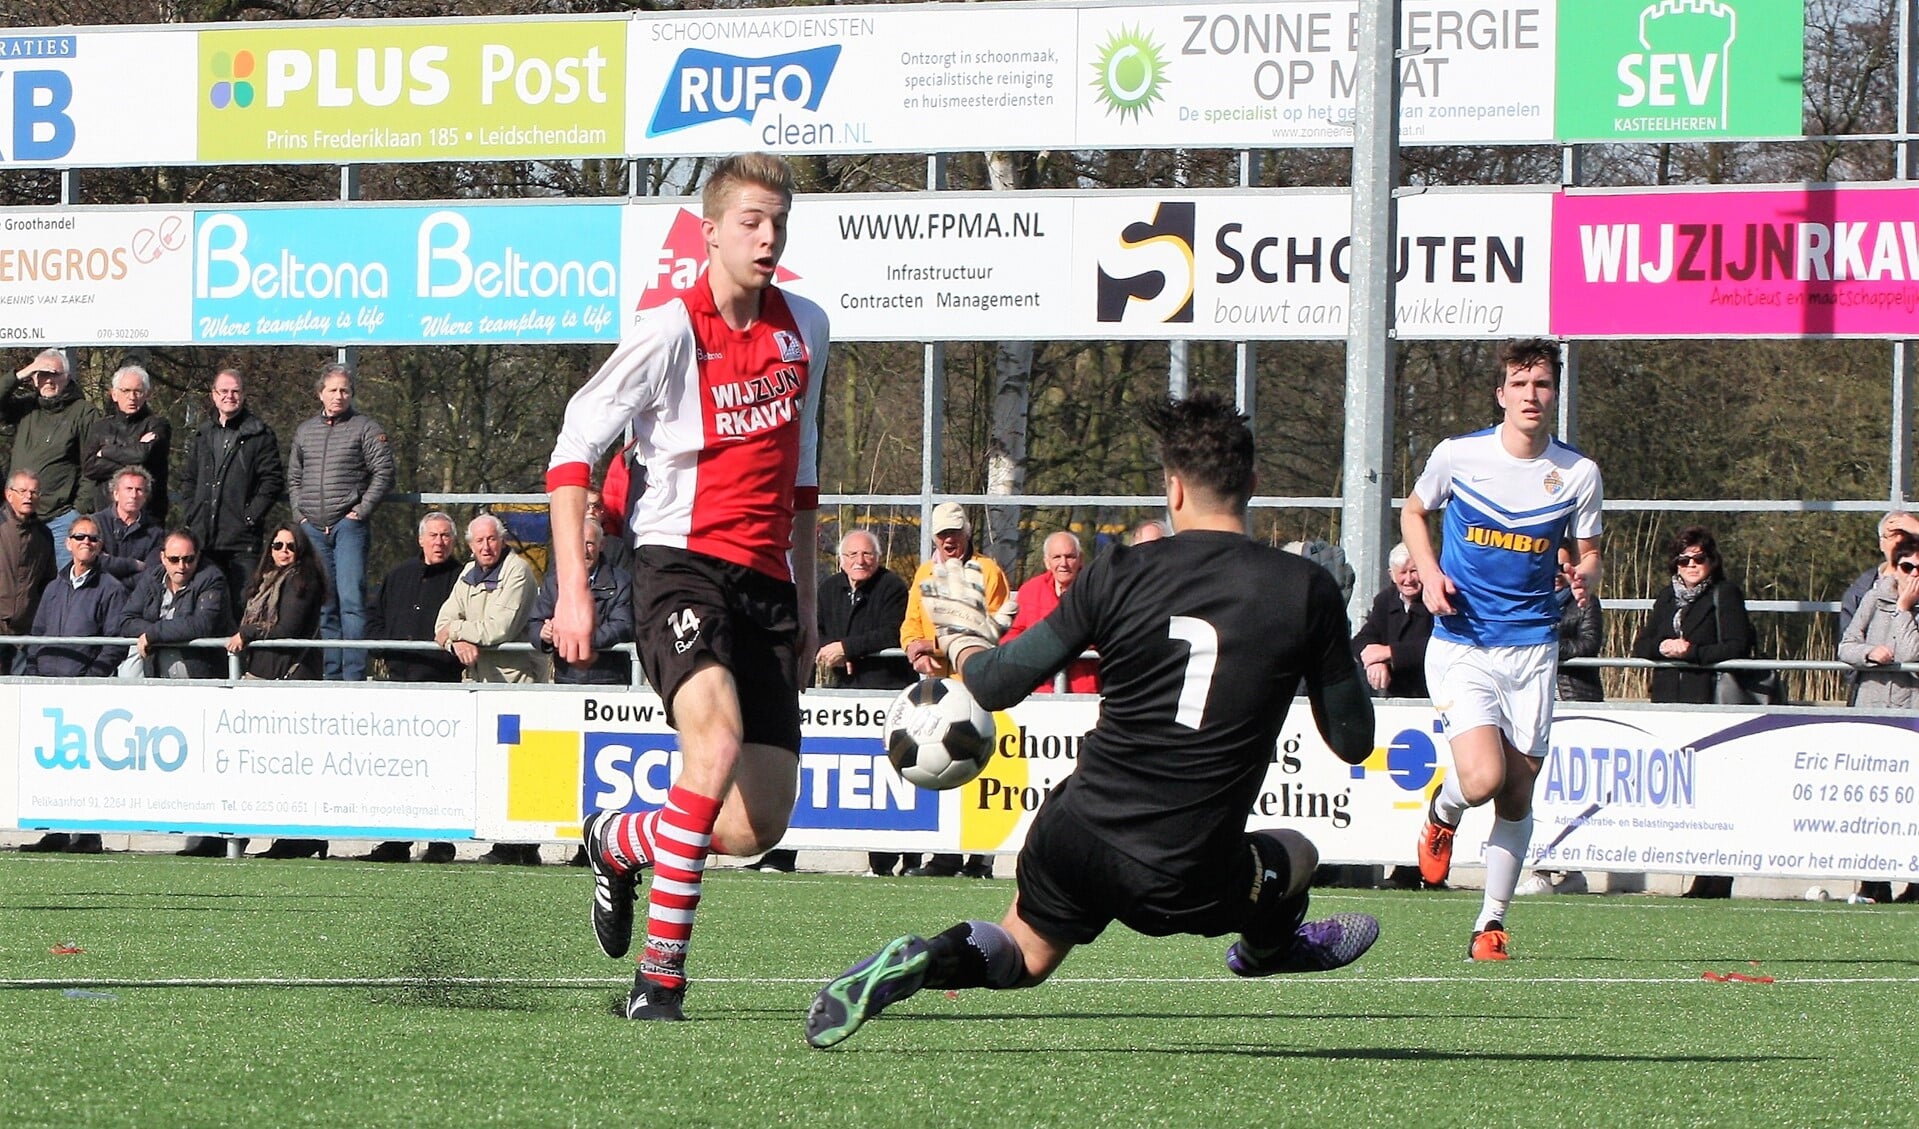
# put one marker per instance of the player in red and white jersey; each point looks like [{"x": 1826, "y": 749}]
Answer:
[{"x": 722, "y": 387}]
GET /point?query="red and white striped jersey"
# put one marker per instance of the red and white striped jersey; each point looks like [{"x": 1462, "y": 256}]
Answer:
[{"x": 727, "y": 423}]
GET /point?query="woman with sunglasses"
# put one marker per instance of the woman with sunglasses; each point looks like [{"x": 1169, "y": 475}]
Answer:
[
  {"x": 1699, "y": 618},
  {"x": 282, "y": 601},
  {"x": 1883, "y": 633}
]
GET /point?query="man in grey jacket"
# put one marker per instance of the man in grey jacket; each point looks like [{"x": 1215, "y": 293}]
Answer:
[{"x": 339, "y": 469}]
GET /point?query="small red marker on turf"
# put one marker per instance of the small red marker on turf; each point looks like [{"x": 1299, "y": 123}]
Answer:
[{"x": 66, "y": 949}]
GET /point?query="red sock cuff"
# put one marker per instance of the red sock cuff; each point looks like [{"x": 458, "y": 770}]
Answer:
[{"x": 699, "y": 809}]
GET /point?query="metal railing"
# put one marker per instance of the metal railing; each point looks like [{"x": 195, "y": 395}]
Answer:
[
  {"x": 638, "y": 678},
  {"x": 235, "y": 662}
]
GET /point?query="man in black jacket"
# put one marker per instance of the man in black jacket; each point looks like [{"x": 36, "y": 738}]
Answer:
[
  {"x": 861, "y": 609},
  {"x": 50, "y": 420},
  {"x": 26, "y": 560},
  {"x": 1391, "y": 644},
  {"x": 612, "y": 591},
  {"x": 132, "y": 434},
  {"x": 129, "y": 536},
  {"x": 81, "y": 600},
  {"x": 185, "y": 599},
  {"x": 231, "y": 479},
  {"x": 405, "y": 607}
]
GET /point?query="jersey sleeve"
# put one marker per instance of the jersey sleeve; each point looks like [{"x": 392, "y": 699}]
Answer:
[
  {"x": 1435, "y": 483},
  {"x": 1586, "y": 519},
  {"x": 632, "y": 381},
  {"x": 1331, "y": 633},
  {"x": 815, "y": 331}
]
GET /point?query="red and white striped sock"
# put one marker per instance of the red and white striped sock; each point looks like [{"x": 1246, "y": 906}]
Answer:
[
  {"x": 681, "y": 840},
  {"x": 627, "y": 841}
]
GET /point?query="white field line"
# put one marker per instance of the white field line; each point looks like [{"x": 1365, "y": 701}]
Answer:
[{"x": 556, "y": 982}]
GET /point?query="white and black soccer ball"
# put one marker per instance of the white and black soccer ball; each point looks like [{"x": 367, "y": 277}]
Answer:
[{"x": 937, "y": 736}]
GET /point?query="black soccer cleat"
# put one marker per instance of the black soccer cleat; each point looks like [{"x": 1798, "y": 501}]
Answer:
[
  {"x": 866, "y": 989},
  {"x": 1318, "y": 946},
  {"x": 653, "y": 1000},
  {"x": 613, "y": 892}
]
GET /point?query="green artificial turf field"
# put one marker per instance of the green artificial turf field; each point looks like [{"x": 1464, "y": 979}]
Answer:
[{"x": 338, "y": 993}]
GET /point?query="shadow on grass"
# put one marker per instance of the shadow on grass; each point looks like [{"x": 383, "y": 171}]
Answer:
[
  {"x": 438, "y": 954},
  {"x": 175, "y": 901}
]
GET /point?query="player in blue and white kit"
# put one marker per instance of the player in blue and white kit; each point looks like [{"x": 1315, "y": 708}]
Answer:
[{"x": 1511, "y": 495}]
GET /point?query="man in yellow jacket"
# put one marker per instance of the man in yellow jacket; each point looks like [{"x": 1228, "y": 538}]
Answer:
[{"x": 952, "y": 541}]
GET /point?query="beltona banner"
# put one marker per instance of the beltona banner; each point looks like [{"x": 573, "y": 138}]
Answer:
[
  {"x": 1655, "y": 70},
  {"x": 392, "y": 763},
  {"x": 1286, "y": 74},
  {"x": 387, "y": 90},
  {"x": 74, "y": 98},
  {"x": 1815, "y": 262},
  {"x": 86, "y": 276},
  {"x": 417, "y": 274}
]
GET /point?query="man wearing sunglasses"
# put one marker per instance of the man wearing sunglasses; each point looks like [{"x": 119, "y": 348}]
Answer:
[
  {"x": 184, "y": 599},
  {"x": 82, "y": 600}
]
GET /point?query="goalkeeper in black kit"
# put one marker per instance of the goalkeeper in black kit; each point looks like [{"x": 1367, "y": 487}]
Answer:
[{"x": 1204, "y": 638}]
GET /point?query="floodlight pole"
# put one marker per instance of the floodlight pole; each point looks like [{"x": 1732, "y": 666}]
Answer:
[
  {"x": 1366, "y": 480},
  {"x": 1905, "y": 156}
]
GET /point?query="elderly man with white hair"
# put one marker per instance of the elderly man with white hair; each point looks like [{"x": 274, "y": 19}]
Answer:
[
  {"x": 489, "y": 606},
  {"x": 1391, "y": 644},
  {"x": 132, "y": 434}
]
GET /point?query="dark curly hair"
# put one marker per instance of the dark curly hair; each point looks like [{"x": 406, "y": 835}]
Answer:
[
  {"x": 1525, "y": 352},
  {"x": 1205, "y": 440}
]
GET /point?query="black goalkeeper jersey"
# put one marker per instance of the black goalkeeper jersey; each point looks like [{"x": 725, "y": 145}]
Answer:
[{"x": 1203, "y": 639}]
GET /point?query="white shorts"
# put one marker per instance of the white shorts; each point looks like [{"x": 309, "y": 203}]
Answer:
[{"x": 1508, "y": 687}]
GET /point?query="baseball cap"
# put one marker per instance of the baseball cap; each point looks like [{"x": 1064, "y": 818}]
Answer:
[{"x": 948, "y": 516}]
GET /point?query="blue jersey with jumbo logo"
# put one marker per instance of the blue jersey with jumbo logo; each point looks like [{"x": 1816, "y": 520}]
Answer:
[{"x": 1505, "y": 518}]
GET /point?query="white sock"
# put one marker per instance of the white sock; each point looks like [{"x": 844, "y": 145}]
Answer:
[
  {"x": 1450, "y": 804},
  {"x": 1505, "y": 856}
]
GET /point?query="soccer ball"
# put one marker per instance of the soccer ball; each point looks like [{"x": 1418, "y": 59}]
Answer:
[{"x": 937, "y": 736}]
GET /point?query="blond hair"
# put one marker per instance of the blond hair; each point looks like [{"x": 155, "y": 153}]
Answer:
[{"x": 732, "y": 173}]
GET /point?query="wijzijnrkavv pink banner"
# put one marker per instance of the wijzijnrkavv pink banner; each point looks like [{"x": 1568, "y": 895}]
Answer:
[{"x": 1793, "y": 263}]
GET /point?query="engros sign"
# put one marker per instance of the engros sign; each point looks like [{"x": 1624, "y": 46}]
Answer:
[{"x": 95, "y": 275}]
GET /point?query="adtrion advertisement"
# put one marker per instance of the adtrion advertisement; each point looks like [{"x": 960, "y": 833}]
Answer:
[{"x": 407, "y": 275}]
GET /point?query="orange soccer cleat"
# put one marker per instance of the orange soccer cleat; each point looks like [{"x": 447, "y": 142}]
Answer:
[{"x": 1489, "y": 943}]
